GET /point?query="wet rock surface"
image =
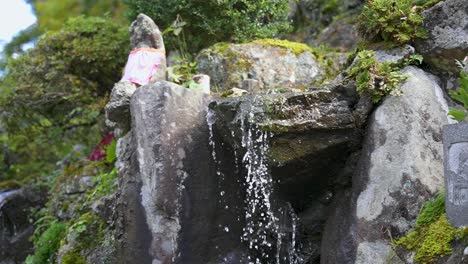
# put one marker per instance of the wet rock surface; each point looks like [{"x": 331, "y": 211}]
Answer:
[
  {"x": 311, "y": 152},
  {"x": 400, "y": 167}
]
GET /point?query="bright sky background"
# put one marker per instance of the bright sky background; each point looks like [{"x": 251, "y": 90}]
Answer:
[{"x": 15, "y": 15}]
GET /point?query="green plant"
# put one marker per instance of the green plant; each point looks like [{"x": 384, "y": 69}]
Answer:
[
  {"x": 433, "y": 234},
  {"x": 462, "y": 94},
  {"x": 106, "y": 183},
  {"x": 211, "y": 21},
  {"x": 47, "y": 244},
  {"x": 111, "y": 152},
  {"x": 395, "y": 22},
  {"x": 375, "y": 79},
  {"x": 53, "y": 96}
]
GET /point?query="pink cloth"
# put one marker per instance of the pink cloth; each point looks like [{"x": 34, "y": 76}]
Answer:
[{"x": 142, "y": 65}]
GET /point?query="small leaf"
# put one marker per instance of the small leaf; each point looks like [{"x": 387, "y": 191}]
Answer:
[{"x": 458, "y": 115}]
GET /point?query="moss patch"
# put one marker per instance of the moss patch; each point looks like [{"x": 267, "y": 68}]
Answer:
[
  {"x": 295, "y": 47},
  {"x": 433, "y": 234},
  {"x": 73, "y": 257},
  {"x": 431, "y": 241},
  {"x": 9, "y": 185}
]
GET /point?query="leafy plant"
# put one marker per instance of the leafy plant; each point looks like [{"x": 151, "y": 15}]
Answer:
[
  {"x": 462, "y": 94},
  {"x": 47, "y": 244},
  {"x": 395, "y": 22},
  {"x": 212, "y": 21},
  {"x": 376, "y": 79},
  {"x": 53, "y": 96}
]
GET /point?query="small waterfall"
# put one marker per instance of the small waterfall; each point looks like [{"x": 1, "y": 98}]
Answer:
[{"x": 269, "y": 232}]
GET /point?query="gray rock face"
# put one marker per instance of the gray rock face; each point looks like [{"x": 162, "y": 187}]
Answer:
[
  {"x": 400, "y": 168},
  {"x": 456, "y": 173},
  {"x": 340, "y": 34},
  {"x": 394, "y": 55},
  {"x": 118, "y": 107},
  {"x": 144, "y": 33},
  {"x": 15, "y": 209},
  {"x": 447, "y": 24},
  {"x": 229, "y": 64},
  {"x": 179, "y": 188}
]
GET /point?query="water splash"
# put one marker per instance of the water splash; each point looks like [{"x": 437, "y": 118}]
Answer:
[{"x": 266, "y": 237}]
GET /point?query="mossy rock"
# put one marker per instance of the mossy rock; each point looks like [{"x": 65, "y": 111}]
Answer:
[{"x": 272, "y": 62}]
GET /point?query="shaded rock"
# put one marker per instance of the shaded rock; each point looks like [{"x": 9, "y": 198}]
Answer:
[
  {"x": 395, "y": 55},
  {"x": 340, "y": 34},
  {"x": 132, "y": 233},
  {"x": 15, "y": 209},
  {"x": 447, "y": 25},
  {"x": 399, "y": 169},
  {"x": 118, "y": 107},
  {"x": 144, "y": 33},
  {"x": 204, "y": 81},
  {"x": 229, "y": 65},
  {"x": 313, "y": 16},
  {"x": 79, "y": 185}
]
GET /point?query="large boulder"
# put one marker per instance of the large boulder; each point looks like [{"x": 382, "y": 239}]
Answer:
[
  {"x": 400, "y": 167},
  {"x": 273, "y": 66},
  {"x": 447, "y": 25}
]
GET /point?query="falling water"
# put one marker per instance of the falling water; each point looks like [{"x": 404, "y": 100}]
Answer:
[{"x": 264, "y": 234}]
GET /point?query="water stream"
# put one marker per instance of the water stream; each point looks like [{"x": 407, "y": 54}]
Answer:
[{"x": 269, "y": 232}]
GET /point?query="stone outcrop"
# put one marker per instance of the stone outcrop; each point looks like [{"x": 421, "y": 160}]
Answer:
[
  {"x": 447, "y": 25},
  {"x": 118, "y": 107},
  {"x": 229, "y": 65},
  {"x": 400, "y": 167},
  {"x": 341, "y": 34},
  {"x": 15, "y": 210}
]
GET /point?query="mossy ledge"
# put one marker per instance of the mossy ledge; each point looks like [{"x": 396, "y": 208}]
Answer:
[{"x": 295, "y": 47}]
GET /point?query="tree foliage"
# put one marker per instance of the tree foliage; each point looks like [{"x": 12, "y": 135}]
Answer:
[
  {"x": 52, "y": 14},
  {"x": 53, "y": 97},
  {"x": 211, "y": 21}
]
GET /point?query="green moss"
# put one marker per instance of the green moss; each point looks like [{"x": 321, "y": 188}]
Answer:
[
  {"x": 220, "y": 47},
  {"x": 227, "y": 93},
  {"x": 431, "y": 241},
  {"x": 88, "y": 231},
  {"x": 73, "y": 257},
  {"x": 431, "y": 210},
  {"x": 433, "y": 234},
  {"x": 47, "y": 244},
  {"x": 106, "y": 184},
  {"x": 9, "y": 185},
  {"x": 294, "y": 47}
]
